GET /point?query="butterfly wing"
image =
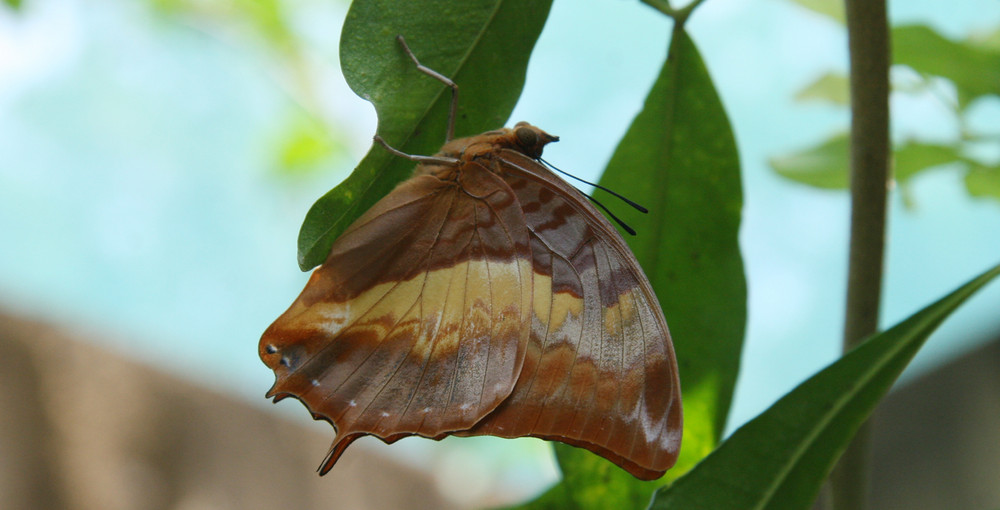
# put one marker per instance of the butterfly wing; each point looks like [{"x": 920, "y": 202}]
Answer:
[
  {"x": 417, "y": 323},
  {"x": 600, "y": 371}
]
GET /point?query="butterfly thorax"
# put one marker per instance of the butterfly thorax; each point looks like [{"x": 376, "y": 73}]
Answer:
[{"x": 486, "y": 149}]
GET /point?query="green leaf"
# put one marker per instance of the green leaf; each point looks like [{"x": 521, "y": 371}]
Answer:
[
  {"x": 589, "y": 481},
  {"x": 483, "y": 45},
  {"x": 832, "y": 87},
  {"x": 973, "y": 68},
  {"x": 834, "y": 9},
  {"x": 780, "y": 459},
  {"x": 913, "y": 157},
  {"x": 983, "y": 181},
  {"x": 13, "y": 4},
  {"x": 823, "y": 166},
  {"x": 679, "y": 159}
]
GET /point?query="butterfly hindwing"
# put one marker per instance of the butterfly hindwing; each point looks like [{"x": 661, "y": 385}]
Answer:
[
  {"x": 417, "y": 323},
  {"x": 600, "y": 370}
]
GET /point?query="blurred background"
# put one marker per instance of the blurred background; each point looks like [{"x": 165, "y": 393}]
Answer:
[{"x": 157, "y": 158}]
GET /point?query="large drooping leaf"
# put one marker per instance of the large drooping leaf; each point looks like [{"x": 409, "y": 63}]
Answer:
[
  {"x": 778, "y": 461},
  {"x": 483, "y": 45},
  {"x": 678, "y": 159}
]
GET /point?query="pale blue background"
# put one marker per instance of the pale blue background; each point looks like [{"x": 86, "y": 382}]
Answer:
[{"x": 140, "y": 201}]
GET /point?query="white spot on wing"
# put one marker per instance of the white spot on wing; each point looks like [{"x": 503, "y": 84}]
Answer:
[{"x": 335, "y": 317}]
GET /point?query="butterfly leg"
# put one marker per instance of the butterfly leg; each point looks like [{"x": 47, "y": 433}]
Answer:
[
  {"x": 435, "y": 160},
  {"x": 441, "y": 78}
]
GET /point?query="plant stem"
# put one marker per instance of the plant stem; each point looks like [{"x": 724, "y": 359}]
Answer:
[
  {"x": 868, "y": 41},
  {"x": 660, "y": 5},
  {"x": 679, "y": 15}
]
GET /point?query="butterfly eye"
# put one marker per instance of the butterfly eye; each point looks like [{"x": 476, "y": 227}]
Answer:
[{"x": 527, "y": 139}]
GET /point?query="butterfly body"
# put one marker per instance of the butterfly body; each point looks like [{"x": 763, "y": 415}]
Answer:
[{"x": 484, "y": 296}]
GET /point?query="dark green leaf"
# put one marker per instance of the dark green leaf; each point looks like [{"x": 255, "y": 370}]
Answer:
[
  {"x": 780, "y": 459},
  {"x": 679, "y": 159},
  {"x": 832, "y": 87},
  {"x": 483, "y": 45},
  {"x": 912, "y": 158},
  {"x": 823, "y": 166},
  {"x": 983, "y": 181},
  {"x": 974, "y": 69}
]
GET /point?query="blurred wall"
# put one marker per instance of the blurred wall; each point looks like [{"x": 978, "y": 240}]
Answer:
[
  {"x": 936, "y": 440},
  {"x": 84, "y": 429}
]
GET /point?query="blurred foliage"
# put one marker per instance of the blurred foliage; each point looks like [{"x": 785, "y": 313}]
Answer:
[
  {"x": 973, "y": 69},
  {"x": 983, "y": 181},
  {"x": 831, "y": 87},
  {"x": 308, "y": 140},
  {"x": 822, "y": 166},
  {"x": 971, "y": 66},
  {"x": 834, "y": 9},
  {"x": 263, "y": 19},
  {"x": 307, "y": 145},
  {"x": 13, "y": 4}
]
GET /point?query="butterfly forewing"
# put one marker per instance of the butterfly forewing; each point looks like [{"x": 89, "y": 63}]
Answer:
[{"x": 417, "y": 322}]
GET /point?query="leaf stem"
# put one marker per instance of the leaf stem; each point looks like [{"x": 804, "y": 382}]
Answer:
[{"x": 868, "y": 44}]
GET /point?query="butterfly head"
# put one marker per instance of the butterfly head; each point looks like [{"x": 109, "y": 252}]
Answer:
[{"x": 530, "y": 140}]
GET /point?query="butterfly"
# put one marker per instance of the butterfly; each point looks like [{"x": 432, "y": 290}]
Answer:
[{"x": 483, "y": 296}]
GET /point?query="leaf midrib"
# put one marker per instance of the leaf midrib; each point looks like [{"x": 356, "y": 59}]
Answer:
[{"x": 839, "y": 404}]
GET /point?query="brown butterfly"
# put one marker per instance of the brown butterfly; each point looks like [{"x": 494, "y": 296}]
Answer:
[{"x": 483, "y": 296}]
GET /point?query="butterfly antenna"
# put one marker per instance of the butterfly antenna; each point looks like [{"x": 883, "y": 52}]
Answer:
[
  {"x": 598, "y": 186},
  {"x": 618, "y": 220},
  {"x": 441, "y": 78}
]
